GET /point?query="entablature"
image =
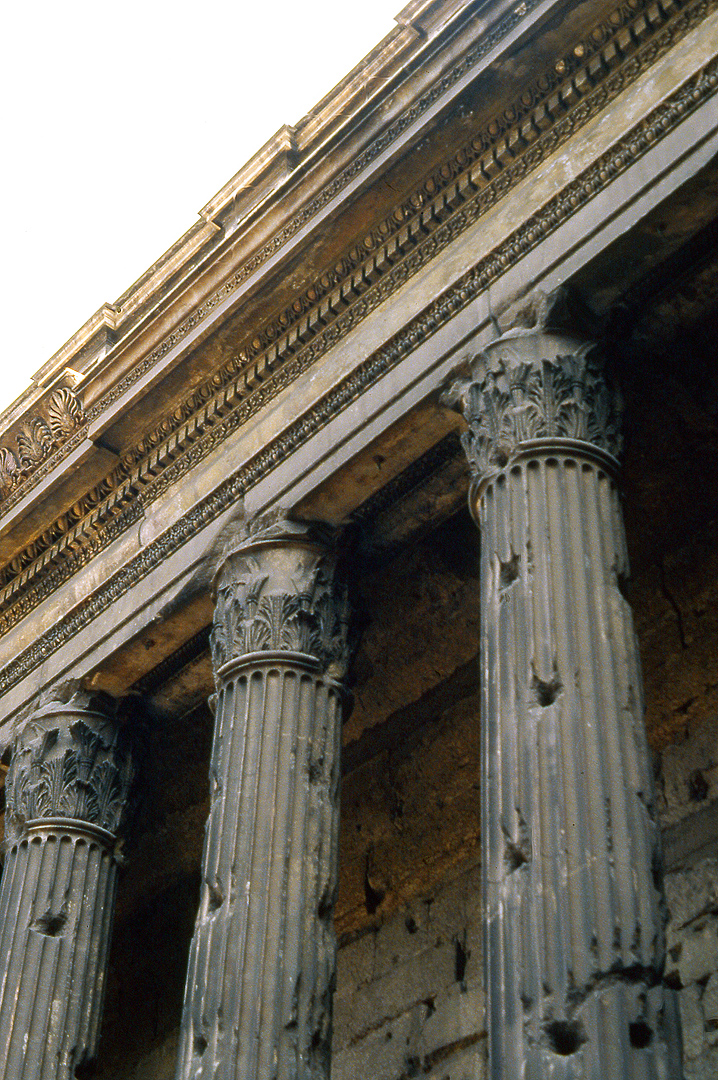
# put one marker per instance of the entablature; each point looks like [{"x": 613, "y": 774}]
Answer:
[{"x": 321, "y": 355}]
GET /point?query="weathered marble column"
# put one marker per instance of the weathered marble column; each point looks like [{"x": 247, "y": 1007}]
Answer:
[
  {"x": 66, "y": 795},
  {"x": 262, "y": 961},
  {"x": 574, "y": 933}
]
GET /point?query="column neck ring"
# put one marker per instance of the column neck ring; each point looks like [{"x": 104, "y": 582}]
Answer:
[
  {"x": 267, "y": 658},
  {"x": 547, "y": 447},
  {"x": 69, "y": 825}
]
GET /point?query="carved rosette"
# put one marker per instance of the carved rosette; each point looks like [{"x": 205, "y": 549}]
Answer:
[
  {"x": 531, "y": 389},
  {"x": 70, "y": 762},
  {"x": 277, "y": 593}
]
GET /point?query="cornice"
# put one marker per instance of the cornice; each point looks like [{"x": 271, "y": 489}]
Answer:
[
  {"x": 376, "y": 147},
  {"x": 625, "y": 152},
  {"x": 339, "y": 106},
  {"x": 288, "y": 156},
  {"x": 448, "y": 200}
]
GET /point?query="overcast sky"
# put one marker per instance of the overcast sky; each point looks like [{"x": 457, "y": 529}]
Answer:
[{"x": 120, "y": 121}]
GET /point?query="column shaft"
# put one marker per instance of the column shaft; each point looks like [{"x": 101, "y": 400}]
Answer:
[
  {"x": 574, "y": 919},
  {"x": 56, "y": 901},
  {"x": 66, "y": 799},
  {"x": 263, "y": 956},
  {"x": 574, "y": 910}
]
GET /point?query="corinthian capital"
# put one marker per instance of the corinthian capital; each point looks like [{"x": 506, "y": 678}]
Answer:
[
  {"x": 277, "y": 593},
  {"x": 534, "y": 387},
  {"x": 70, "y": 761}
]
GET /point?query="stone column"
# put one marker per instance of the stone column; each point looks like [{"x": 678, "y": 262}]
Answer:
[
  {"x": 262, "y": 960},
  {"x": 66, "y": 793},
  {"x": 574, "y": 932}
]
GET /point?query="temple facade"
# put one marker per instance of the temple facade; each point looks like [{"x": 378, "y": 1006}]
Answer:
[{"x": 338, "y": 742}]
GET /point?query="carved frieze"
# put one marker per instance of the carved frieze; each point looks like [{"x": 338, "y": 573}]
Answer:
[
  {"x": 277, "y": 593},
  {"x": 70, "y": 761}
]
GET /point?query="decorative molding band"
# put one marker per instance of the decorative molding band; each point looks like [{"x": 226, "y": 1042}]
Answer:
[
  {"x": 70, "y": 762},
  {"x": 69, "y": 827},
  {"x": 608, "y": 57},
  {"x": 529, "y": 235},
  {"x": 461, "y": 192}
]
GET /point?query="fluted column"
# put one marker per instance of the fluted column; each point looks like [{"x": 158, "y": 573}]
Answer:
[
  {"x": 574, "y": 932},
  {"x": 66, "y": 794},
  {"x": 262, "y": 960}
]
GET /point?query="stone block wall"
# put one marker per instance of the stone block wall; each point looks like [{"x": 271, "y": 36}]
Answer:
[
  {"x": 688, "y": 803},
  {"x": 692, "y": 895},
  {"x": 409, "y": 999}
]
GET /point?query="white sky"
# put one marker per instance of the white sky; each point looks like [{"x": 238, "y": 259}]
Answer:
[{"x": 121, "y": 120}]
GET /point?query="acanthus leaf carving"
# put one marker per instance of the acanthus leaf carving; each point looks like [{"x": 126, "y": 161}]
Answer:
[
  {"x": 9, "y": 471},
  {"x": 277, "y": 593},
  {"x": 39, "y": 436},
  {"x": 72, "y": 761},
  {"x": 34, "y": 441},
  {"x": 535, "y": 385}
]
